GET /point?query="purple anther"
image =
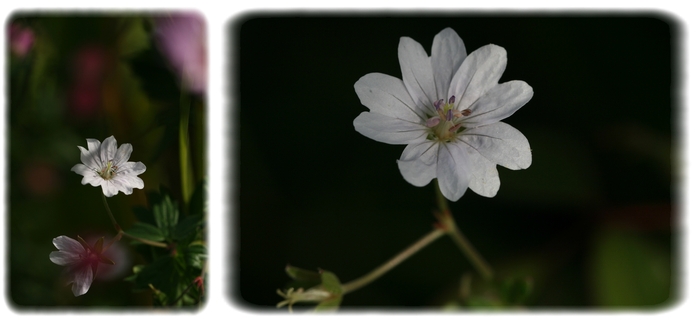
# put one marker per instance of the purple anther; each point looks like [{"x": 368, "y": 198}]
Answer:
[
  {"x": 449, "y": 114},
  {"x": 438, "y": 104},
  {"x": 452, "y": 100}
]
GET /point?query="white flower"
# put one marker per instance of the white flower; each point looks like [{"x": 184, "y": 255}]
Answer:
[
  {"x": 81, "y": 261},
  {"x": 447, "y": 109},
  {"x": 109, "y": 167}
]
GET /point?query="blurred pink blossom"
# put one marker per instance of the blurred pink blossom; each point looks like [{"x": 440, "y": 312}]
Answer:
[
  {"x": 81, "y": 261},
  {"x": 181, "y": 38},
  {"x": 21, "y": 39}
]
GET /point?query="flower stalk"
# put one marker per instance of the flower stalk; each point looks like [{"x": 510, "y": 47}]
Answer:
[
  {"x": 393, "y": 262},
  {"x": 448, "y": 224}
]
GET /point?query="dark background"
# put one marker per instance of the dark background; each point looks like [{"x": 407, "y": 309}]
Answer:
[{"x": 592, "y": 221}]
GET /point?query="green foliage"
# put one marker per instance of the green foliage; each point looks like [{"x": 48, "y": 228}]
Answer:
[{"x": 173, "y": 274}]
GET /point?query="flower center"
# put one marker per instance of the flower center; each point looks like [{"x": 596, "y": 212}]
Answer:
[
  {"x": 444, "y": 126},
  {"x": 108, "y": 171}
]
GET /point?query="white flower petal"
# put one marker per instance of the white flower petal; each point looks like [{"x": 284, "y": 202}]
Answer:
[
  {"x": 479, "y": 72},
  {"x": 452, "y": 178},
  {"x": 499, "y": 103},
  {"x": 81, "y": 169},
  {"x": 418, "y": 163},
  {"x": 417, "y": 73},
  {"x": 108, "y": 149},
  {"x": 447, "y": 54},
  {"x": 501, "y": 144},
  {"x": 127, "y": 183},
  {"x": 109, "y": 188},
  {"x": 90, "y": 158},
  {"x": 389, "y": 129},
  {"x": 123, "y": 154},
  {"x": 132, "y": 168},
  {"x": 93, "y": 145},
  {"x": 387, "y": 95},
  {"x": 82, "y": 279},
  {"x": 483, "y": 176}
]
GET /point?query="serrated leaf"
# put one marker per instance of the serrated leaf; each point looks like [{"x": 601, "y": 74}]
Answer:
[
  {"x": 146, "y": 231},
  {"x": 166, "y": 215},
  {"x": 331, "y": 283},
  {"x": 303, "y": 275}
]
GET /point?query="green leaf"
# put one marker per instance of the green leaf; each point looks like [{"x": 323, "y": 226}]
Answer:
[
  {"x": 331, "y": 283},
  {"x": 186, "y": 227},
  {"x": 303, "y": 275},
  {"x": 146, "y": 231},
  {"x": 195, "y": 254},
  {"x": 330, "y": 304},
  {"x": 166, "y": 215}
]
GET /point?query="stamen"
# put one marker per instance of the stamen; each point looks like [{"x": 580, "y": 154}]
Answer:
[
  {"x": 466, "y": 112},
  {"x": 455, "y": 128},
  {"x": 438, "y": 104},
  {"x": 449, "y": 115},
  {"x": 451, "y": 100},
  {"x": 432, "y": 122}
]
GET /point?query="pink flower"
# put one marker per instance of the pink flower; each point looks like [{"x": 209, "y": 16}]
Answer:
[
  {"x": 180, "y": 37},
  {"x": 21, "y": 39},
  {"x": 81, "y": 261}
]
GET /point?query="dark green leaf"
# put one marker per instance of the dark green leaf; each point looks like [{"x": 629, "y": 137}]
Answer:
[
  {"x": 146, "y": 231},
  {"x": 186, "y": 227},
  {"x": 166, "y": 214}
]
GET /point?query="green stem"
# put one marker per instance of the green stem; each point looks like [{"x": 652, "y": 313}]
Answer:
[
  {"x": 121, "y": 232},
  {"x": 381, "y": 270},
  {"x": 185, "y": 174},
  {"x": 450, "y": 227}
]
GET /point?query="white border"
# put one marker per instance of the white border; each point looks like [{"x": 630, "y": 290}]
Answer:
[{"x": 219, "y": 14}]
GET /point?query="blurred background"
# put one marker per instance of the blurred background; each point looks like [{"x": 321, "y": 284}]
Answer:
[
  {"x": 593, "y": 222},
  {"x": 73, "y": 77}
]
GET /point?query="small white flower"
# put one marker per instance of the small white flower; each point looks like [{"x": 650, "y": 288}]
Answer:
[
  {"x": 80, "y": 259},
  {"x": 105, "y": 165},
  {"x": 447, "y": 109}
]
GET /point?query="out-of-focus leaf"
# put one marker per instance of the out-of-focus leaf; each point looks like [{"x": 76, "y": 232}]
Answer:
[
  {"x": 514, "y": 291},
  {"x": 195, "y": 254},
  {"x": 330, "y": 304},
  {"x": 186, "y": 227},
  {"x": 628, "y": 270},
  {"x": 303, "y": 275},
  {"x": 146, "y": 231},
  {"x": 134, "y": 37}
]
